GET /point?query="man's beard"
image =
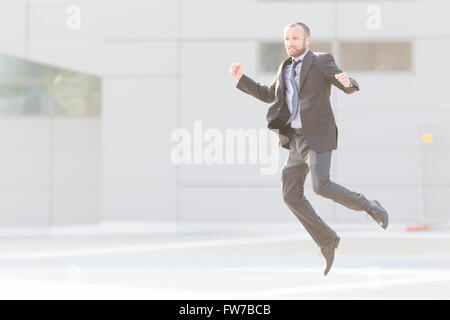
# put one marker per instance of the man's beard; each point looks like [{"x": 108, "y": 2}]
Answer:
[{"x": 299, "y": 52}]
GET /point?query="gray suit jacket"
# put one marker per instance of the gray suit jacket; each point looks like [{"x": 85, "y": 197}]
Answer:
[{"x": 316, "y": 77}]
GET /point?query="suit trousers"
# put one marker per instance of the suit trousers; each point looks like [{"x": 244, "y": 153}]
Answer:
[{"x": 300, "y": 161}]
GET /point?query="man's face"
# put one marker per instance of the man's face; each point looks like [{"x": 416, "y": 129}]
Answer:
[{"x": 295, "y": 41}]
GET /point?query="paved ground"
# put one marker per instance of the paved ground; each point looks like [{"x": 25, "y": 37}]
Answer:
[{"x": 369, "y": 264}]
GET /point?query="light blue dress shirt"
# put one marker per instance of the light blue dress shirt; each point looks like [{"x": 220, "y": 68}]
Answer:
[{"x": 297, "y": 122}]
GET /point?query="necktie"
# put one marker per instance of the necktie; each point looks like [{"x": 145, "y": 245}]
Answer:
[{"x": 295, "y": 102}]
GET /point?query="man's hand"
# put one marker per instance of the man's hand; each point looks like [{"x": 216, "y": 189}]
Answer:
[
  {"x": 343, "y": 78},
  {"x": 236, "y": 71}
]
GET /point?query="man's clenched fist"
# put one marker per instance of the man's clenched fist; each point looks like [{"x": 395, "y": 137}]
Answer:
[
  {"x": 343, "y": 78},
  {"x": 236, "y": 71}
]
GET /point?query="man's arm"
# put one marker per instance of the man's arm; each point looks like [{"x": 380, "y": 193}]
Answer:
[
  {"x": 249, "y": 86},
  {"x": 253, "y": 88},
  {"x": 331, "y": 70}
]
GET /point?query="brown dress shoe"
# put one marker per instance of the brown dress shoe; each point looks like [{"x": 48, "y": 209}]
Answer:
[{"x": 328, "y": 253}]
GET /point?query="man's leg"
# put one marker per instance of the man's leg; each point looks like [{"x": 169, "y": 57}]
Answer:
[
  {"x": 320, "y": 174},
  {"x": 293, "y": 178}
]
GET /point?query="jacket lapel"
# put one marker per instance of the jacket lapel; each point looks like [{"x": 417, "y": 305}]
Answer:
[
  {"x": 306, "y": 65},
  {"x": 280, "y": 74}
]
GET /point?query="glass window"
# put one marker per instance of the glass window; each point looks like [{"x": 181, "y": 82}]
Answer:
[
  {"x": 29, "y": 88},
  {"x": 24, "y": 99},
  {"x": 76, "y": 94},
  {"x": 273, "y": 53},
  {"x": 376, "y": 56}
]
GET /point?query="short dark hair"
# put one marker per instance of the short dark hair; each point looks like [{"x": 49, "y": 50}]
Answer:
[{"x": 301, "y": 24}]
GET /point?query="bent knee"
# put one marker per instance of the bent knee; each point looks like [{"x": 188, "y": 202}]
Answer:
[
  {"x": 291, "y": 198},
  {"x": 287, "y": 198},
  {"x": 293, "y": 178},
  {"x": 322, "y": 187}
]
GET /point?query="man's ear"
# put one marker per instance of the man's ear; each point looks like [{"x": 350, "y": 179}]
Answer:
[{"x": 308, "y": 41}]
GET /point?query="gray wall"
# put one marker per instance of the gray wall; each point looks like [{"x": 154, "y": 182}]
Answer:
[
  {"x": 51, "y": 171},
  {"x": 165, "y": 64}
]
